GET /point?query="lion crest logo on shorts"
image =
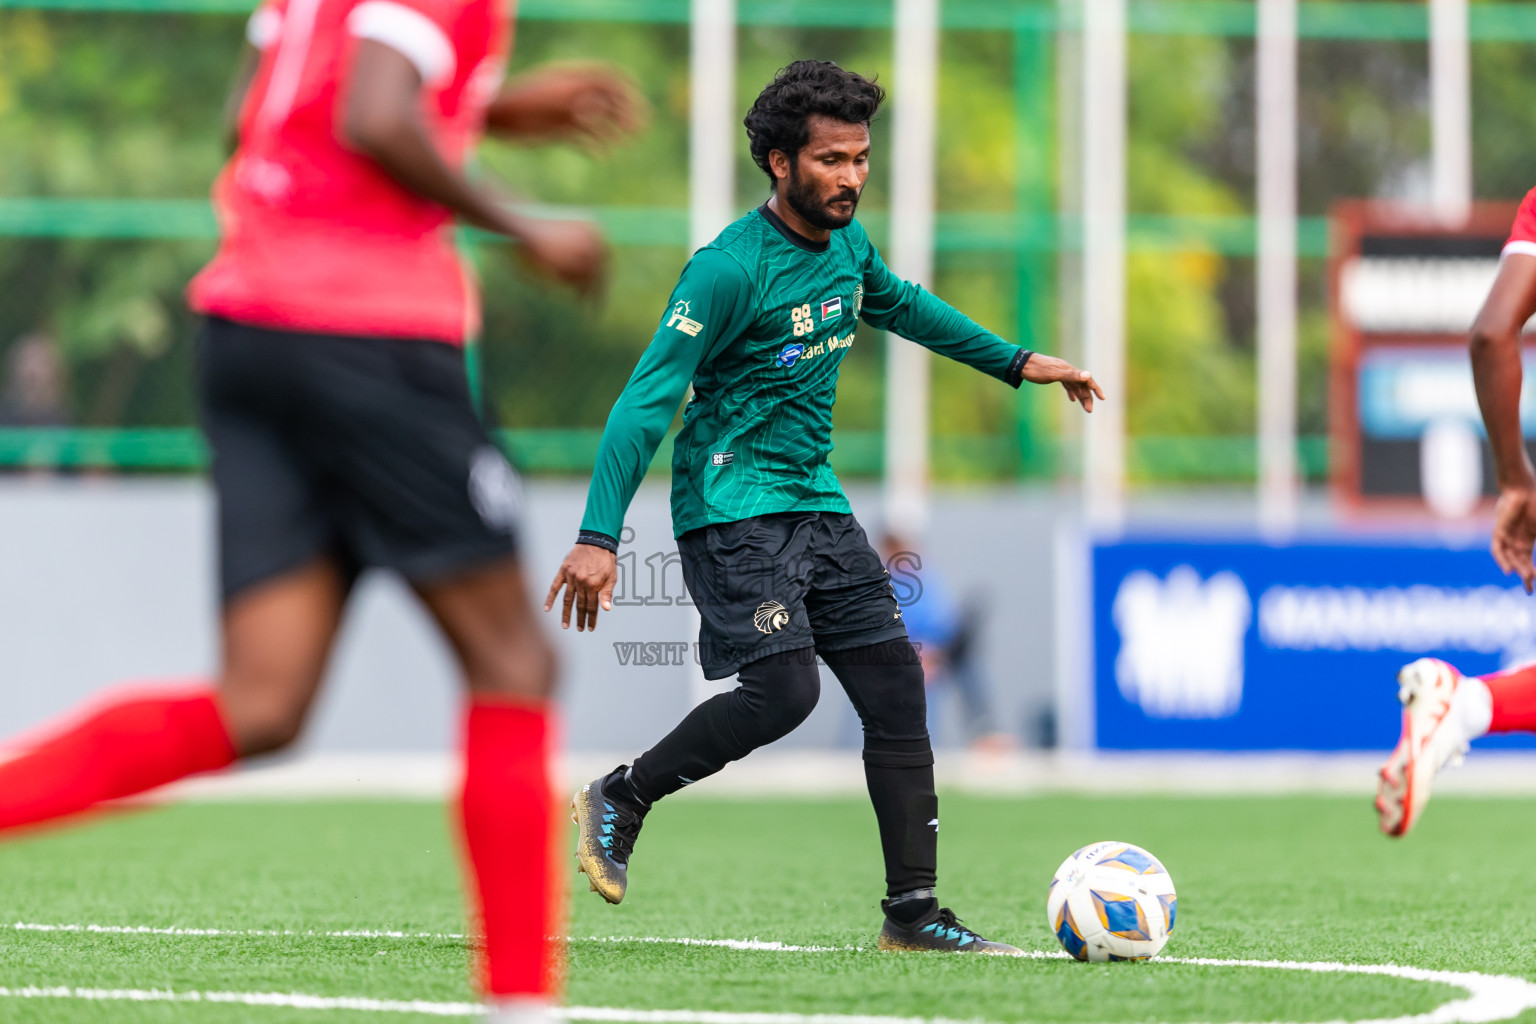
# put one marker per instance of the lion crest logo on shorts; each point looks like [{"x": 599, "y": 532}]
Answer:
[{"x": 770, "y": 617}]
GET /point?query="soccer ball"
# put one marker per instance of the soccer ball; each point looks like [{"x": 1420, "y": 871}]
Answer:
[{"x": 1111, "y": 901}]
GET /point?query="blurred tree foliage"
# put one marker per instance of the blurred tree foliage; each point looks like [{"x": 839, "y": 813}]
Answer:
[
  {"x": 117, "y": 106},
  {"x": 128, "y": 106}
]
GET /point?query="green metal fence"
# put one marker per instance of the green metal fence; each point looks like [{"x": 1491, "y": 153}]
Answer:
[
  {"x": 1031, "y": 236},
  {"x": 858, "y": 452},
  {"x": 1316, "y": 19}
]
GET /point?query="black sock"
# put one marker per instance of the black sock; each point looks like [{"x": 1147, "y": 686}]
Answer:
[
  {"x": 775, "y": 694},
  {"x": 617, "y": 788},
  {"x": 910, "y": 908},
  {"x": 700, "y": 745},
  {"x": 885, "y": 683},
  {"x": 908, "y": 812}
]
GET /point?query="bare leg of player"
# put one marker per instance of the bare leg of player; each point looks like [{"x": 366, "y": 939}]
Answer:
[
  {"x": 277, "y": 640},
  {"x": 507, "y": 807},
  {"x": 276, "y": 636}
]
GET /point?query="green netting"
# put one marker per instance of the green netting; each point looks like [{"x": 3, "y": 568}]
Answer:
[
  {"x": 1022, "y": 236},
  {"x": 858, "y": 453},
  {"x": 1318, "y": 19},
  {"x": 956, "y": 232}
]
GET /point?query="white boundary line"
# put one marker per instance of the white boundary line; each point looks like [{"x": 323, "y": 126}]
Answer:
[
  {"x": 239, "y": 933},
  {"x": 1489, "y": 997},
  {"x": 750, "y": 945},
  {"x": 300, "y": 1001},
  {"x": 176, "y": 931},
  {"x": 601, "y": 1013},
  {"x": 288, "y": 1000}
]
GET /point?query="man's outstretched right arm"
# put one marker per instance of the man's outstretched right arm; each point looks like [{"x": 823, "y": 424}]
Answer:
[{"x": 710, "y": 307}]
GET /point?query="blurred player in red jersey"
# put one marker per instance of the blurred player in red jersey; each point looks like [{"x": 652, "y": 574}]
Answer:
[
  {"x": 334, "y": 397},
  {"x": 1443, "y": 711}
]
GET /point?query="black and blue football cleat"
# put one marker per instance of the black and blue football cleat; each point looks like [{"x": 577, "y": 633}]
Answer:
[
  {"x": 606, "y": 834},
  {"x": 938, "y": 931}
]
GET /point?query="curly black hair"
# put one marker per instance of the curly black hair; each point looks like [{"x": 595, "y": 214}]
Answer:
[{"x": 778, "y": 118}]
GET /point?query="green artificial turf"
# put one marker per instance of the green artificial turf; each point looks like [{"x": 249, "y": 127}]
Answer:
[{"x": 1263, "y": 878}]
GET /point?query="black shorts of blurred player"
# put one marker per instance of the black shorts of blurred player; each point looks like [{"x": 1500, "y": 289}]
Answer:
[{"x": 333, "y": 454}]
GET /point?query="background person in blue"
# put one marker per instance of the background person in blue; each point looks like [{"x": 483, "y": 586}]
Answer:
[{"x": 946, "y": 632}]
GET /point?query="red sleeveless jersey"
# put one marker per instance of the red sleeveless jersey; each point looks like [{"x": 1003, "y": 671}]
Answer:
[{"x": 316, "y": 237}]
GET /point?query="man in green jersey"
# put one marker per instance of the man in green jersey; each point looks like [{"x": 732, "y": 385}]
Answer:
[{"x": 780, "y": 570}]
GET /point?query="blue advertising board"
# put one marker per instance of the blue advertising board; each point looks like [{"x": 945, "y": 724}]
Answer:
[{"x": 1252, "y": 646}]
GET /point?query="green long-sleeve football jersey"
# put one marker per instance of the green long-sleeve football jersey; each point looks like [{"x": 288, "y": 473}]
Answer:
[{"x": 759, "y": 323}]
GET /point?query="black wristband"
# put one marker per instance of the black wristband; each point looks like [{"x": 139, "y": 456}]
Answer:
[
  {"x": 597, "y": 540},
  {"x": 1015, "y": 375}
]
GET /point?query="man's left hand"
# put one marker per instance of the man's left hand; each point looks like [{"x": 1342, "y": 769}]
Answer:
[{"x": 1079, "y": 384}]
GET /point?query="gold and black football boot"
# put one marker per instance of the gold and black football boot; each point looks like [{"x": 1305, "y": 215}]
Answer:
[
  {"x": 941, "y": 931},
  {"x": 607, "y": 829}
]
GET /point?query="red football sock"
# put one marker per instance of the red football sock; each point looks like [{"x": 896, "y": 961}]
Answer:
[
  {"x": 508, "y": 819},
  {"x": 136, "y": 741},
  {"x": 1514, "y": 699}
]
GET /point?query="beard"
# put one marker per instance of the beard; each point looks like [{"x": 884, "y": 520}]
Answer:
[{"x": 802, "y": 197}]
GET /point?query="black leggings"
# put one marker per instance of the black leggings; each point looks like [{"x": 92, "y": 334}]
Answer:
[{"x": 775, "y": 694}]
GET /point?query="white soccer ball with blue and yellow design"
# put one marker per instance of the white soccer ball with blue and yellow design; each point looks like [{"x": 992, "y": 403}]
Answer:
[{"x": 1112, "y": 901}]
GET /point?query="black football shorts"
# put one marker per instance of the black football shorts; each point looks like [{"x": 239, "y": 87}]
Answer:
[
  {"x": 784, "y": 582},
  {"x": 368, "y": 450}
]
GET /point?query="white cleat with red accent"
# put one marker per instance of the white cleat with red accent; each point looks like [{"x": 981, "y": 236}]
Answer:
[{"x": 1434, "y": 736}]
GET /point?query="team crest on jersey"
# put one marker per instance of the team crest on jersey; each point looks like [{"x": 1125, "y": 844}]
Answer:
[
  {"x": 801, "y": 321},
  {"x": 858, "y": 299},
  {"x": 832, "y": 307},
  {"x": 682, "y": 321},
  {"x": 789, "y": 353},
  {"x": 770, "y": 617}
]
